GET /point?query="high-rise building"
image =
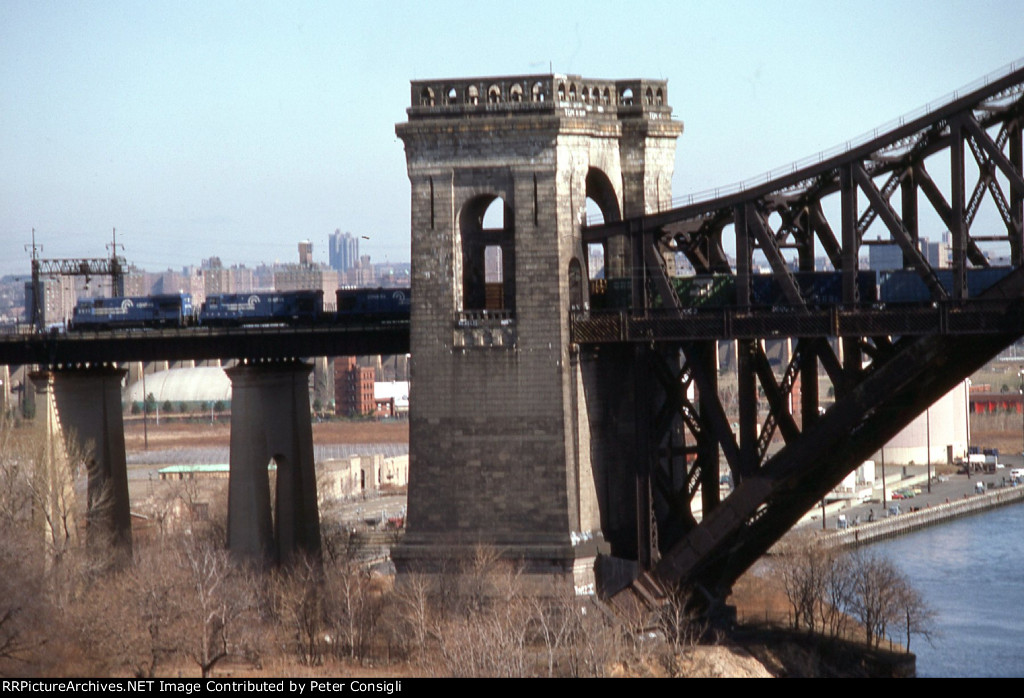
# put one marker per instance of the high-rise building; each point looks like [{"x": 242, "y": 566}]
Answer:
[
  {"x": 344, "y": 251},
  {"x": 306, "y": 253}
]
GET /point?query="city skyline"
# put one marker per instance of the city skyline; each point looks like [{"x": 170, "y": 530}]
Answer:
[{"x": 235, "y": 129}]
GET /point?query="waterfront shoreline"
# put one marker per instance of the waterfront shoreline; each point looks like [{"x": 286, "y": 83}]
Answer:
[{"x": 893, "y": 526}]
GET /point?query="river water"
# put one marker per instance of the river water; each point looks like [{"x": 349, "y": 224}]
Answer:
[{"x": 971, "y": 572}]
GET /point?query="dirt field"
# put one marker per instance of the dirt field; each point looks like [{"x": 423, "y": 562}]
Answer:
[{"x": 180, "y": 434}]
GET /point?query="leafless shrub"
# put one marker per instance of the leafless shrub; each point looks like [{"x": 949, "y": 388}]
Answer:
[
  {"x": 818, "y": 581},
  {"x": 298, "y": 600},
  {"x": 682, "y": 627},
  {"x": 353, "y": 609},
  {"x": 883, "y": 596}
]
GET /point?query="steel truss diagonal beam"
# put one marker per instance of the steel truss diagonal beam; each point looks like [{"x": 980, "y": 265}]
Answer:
[
  {"x": 986, "y": 180},
  {"x": 945, "y": 212},
  {"x": 778, "y": 396},
  {"x": 769, "y": 246},
  {"x": 996, "y": 154},
  {"x": 899, "y": 233},
  {"x": 889, "y": 397}
]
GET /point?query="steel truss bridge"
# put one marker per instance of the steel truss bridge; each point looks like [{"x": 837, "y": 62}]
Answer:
[{"x": 886, "y": 364}]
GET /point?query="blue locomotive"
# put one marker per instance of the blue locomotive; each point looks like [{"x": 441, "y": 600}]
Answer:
[
  {"x": 165, "y": 310},
  {"x": 372, "y": 304},
  {"x": 284, "y": 307}
]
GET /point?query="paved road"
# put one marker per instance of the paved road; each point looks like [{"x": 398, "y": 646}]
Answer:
[{"x": 943, "y": 489}]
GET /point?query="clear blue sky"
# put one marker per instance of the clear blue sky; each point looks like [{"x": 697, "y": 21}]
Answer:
[{"x": 238, "y": 128}]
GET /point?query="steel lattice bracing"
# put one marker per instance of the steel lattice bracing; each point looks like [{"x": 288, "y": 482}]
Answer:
[{"x": 885, "y": 362}]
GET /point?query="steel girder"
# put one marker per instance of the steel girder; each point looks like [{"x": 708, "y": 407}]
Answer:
[{"x": 885, "y": 364}]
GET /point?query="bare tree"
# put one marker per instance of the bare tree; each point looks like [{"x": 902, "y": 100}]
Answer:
[
  {"x": 354, "y": 608},
  {"x": 125, "y": 618},
  {"x": 819, "y": 583},
  {"x": 216, "y": 610},
  {"x": 298, "y": 601},
  {"x": 917, "y": 616},
  {"x": 876, "y": 591},
  {"x": 682, "y": 628},
  {"x": 557, "y": 625},
  {"x": 415, "y": 617},
  {"x": 839, "y": 589},
  {"x": 802, "y": 565},
  {"x": 23, "y": 610}
]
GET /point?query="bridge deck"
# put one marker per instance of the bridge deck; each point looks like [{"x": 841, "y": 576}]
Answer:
[{"x": 254, "y": 343}]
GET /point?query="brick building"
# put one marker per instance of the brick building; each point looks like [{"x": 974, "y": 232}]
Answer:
[{"x": 353, "y": 388}]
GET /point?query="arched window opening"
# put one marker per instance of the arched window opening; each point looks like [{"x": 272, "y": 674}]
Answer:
[
  {"x": 627, "y": 97},
  {"x": 488, "y": 255},
  {"x": 472, "y": 95},
  {"x": 612, "y": 263},
  {"x": 452, "y": 97},
  {"x": 572, "y": 92},
  {"x": 594, "y": 215},
  {"x": 595, "y": 260},
  {"x": 494, "y": 216},
  {"x": 515, "y": 93},
  {"x": 585, "y": 93},
  {"x": 606, "y": 96},
  {"x": 577, "y": 295},
  {"x": 537, "y": 93},
  {"x": 494, "y": 278},
  {"x": 659, "y": 97},
  {"x": 602, "y": 200},
  {"x": 649, "y": 96},
  {"x": 427, "y": 97},
  {"x": 493, "y": 94},
  {"x": 561, "y": 92}
]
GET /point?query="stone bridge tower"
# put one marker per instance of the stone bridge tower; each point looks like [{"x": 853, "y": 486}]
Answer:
[{"x": 500, "y": 434}]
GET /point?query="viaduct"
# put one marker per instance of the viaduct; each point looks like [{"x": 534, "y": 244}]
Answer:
[{"x": 570, "y": 418}]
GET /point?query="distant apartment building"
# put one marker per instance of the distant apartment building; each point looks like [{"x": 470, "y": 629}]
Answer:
[
  {"x": 144, "y": 283},
  {"x": 362, "y": 275},
  {"x": 343, "y": 251},
  {"x": 937, "y": 253},
  {"x": 885, "y": 257},
  {"x": 353, "y": 388},
  {"x": 889, "y": 257},
  {"x": 57, "y": 298},
  {"x": 218, "y": 279},
  {"x": 306, "y": 276},
  {"x": 297, "y": 277}
]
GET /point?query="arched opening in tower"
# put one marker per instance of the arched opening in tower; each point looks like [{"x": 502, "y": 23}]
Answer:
[
  {"x": 488, "y": 254},
  {"x": 602, "y": 207}
]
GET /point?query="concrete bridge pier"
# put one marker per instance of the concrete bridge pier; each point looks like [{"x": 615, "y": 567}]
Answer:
[
  {"x": 88, "y": 401},
  {"x": 53, "y": 492},
  {"x": 270, "y": 422}
]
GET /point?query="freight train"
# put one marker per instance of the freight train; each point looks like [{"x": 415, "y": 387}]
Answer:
[
  {"x": 291, "y": 308},
  {"x": 818, "y": 289}
]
